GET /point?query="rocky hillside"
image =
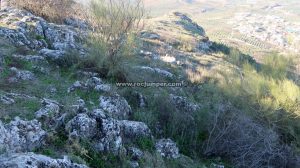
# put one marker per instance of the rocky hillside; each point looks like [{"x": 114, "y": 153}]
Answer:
[
  {"x": 57, "y": 110},
  {"x": 47, "y": 109}
]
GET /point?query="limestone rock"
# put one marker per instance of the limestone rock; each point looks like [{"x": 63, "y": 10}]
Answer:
[
  {"x": 132, "y": 130},
  {"x": 21, "y": 136},
  {"x": 82, "y": 126},
  {"x": 167, "y": 148},
  {"x": 135, "y": 153},
  {"x": 115, "y": 106},
  {"x": 32, "y": 160},
  {"x": 50, "y": 109},
  {"x": 101, "y": 130},
  {"x": 53, "y": 55},
  {"x": 21, "y": 75},
  {"x": 22, "y": 28}
]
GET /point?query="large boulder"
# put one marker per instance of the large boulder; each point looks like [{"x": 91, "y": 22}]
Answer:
[
  {"x": 21, "y": 136},
  {"x": 101, "y": 130},
  {"x": 167, "y": 148},
  {"x": 82, "y": 126},
  {"x": 132, "y": 130},
  {"x": 115, "y": 106},
  {"x": 110, "y": 136},
  {"x": 32, "y": 160}
]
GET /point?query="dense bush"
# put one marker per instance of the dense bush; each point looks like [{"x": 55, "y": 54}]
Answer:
[
  {"x": 52, "y": 10},
  {"x": 246, "y": 142},
  {"x": 268, "y": 102},
  {"x": 276, "y": 66}
]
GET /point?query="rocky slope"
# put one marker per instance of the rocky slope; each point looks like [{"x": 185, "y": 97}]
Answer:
[
  {"x": 38, "y": 102},
  {"x": 57, "y": 110}
]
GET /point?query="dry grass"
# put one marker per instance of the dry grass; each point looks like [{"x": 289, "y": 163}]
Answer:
[{"x": 52, "y": 10}]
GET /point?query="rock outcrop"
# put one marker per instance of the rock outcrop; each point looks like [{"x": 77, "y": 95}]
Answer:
[
  {"x": 102, "y": 131},
  {"x": 24, "y": 29},
  {"x": 167, "y": 148},
  {"x": 50, "y": 109},
  {"x": 31, "y": 160},
  {"x": 132, "y": 130},
  {"x": 115, "y": 106},
  {"x": 21, "y": 136}
]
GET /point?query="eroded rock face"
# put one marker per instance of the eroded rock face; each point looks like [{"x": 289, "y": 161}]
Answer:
[
  {"x": 21, "y": 136},
  {"x": 115, "y": 106},
  {"x": 31, "y": 160},
  {"x": 167, "y": 148},
  {"x": 24, "y": 29}
]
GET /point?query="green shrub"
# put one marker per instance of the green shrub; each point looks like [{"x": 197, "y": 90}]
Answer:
[
  {"x": 276, "y": 66},
  {"x": 145, "y": 144},
  {"x": 115, "y": 24}
]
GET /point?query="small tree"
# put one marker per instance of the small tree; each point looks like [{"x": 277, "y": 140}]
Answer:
[{"x": 115, "y": 24}]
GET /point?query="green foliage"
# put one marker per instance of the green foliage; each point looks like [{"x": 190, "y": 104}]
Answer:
[
  {"x": 96, "y": 159},
  {"x": 276, "y": 66},
  {"x": 48, "y": 152},
  {"x": 145, "y": 144},
  {"x": 39, "y": 37},
  {"x": 88, "y": 95},
  {"x": 22, "y": 108},
  {"x": 267, "y": 94},
  {"x": 113, "y": 38}
]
